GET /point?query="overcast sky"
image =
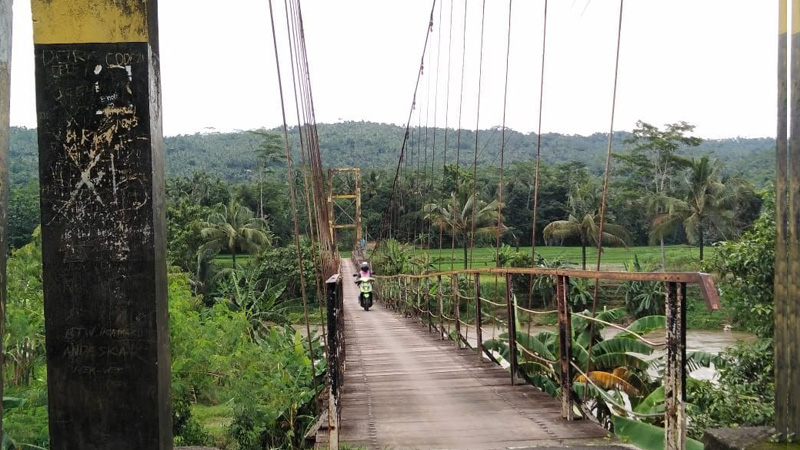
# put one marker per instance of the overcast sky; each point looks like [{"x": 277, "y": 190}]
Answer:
[{"x": 709, "y": 62}]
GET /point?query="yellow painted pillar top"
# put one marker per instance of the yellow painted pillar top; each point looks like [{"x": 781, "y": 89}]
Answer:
[
  {"x": 783, "y": 13},
  {"x": 89, "y": 21}
]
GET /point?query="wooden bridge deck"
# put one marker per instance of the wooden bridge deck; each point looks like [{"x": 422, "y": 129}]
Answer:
[{"x": 406, "y": 388}]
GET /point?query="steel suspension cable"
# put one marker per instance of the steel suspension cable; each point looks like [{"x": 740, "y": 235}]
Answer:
[
  {"x": 477, "y": 129},
  {"x": 293, "y": 200},
  {"x": 539, "y": 141},
  {"x": 446, "y": 124},
  {"x": 432, "y": 179},
  {"x": 605, "y": 184},
  {"x": 305, "y": 154},
  {"x": 408, "y": 127},
  {"x": 503, "y": 141},
  {"x": 458, "y": 138},
  {"x": 321, "y": 210}
]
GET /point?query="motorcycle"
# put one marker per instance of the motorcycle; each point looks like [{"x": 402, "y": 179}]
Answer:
[{"x": 365, "y": 298}]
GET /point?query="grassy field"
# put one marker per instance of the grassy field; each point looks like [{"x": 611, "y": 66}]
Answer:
[
  {"x": 227, "y": 260},
  {"x": 679, "y": 257}
]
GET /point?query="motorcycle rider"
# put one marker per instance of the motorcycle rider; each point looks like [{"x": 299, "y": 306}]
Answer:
[{"x": 364, "y": 271}]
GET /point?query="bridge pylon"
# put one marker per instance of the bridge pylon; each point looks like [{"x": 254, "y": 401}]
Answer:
[{"x": 344, "y": 203}]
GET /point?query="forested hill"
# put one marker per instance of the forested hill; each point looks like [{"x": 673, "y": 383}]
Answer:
[{"x": 375, "y": 146}]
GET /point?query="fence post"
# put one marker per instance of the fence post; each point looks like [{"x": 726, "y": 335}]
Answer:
[
  {"x": 512, "y": 329},
  {"x": 335, "y": 352},
  {"x": 428, "y": 304},
  {"x": 565, "y": 341},
  {"x": 441, "y": 305},
  {"x": 675, "y": 370},
  {"x": 478, "y": 317},
  {"x": 457, "y": 314}
]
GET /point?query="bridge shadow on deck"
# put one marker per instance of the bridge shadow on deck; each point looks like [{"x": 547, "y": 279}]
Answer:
[{"x": 407, "y": 388}]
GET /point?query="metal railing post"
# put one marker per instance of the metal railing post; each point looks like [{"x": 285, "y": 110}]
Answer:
[
  {"x": 456, "y": 301},
  {"x": 478, "y": 317},
  {"x": 441, "y": 305},
  {"x": 675, "y": 371},
  {"x": 428, "y": 316},
  {"x": 335, "y": 356},
  {"x": 565, "y": 344},
  {"x": 512, "y": 329}
]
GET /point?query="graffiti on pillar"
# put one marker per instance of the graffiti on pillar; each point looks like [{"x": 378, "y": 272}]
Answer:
[{"x": 98, "y": 166}]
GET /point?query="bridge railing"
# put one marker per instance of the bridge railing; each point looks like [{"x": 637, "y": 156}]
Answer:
[
  {"x": 336, "y": 354},
  {"x": 469, "y": 306}
]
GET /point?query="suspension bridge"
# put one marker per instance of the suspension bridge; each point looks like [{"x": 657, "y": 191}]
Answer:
[
  {"x": 407, "y": 388},
  {"x": 443, "y": 362}
]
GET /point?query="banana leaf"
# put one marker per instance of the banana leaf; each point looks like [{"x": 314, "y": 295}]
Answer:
[
  {"x": 644, "y": 325},
  {"x": 612, "y": 315},
  {"x": 8, "y": 443},
  {"x": 646, "y": 436},
  {"x": 535, "y": 345},
  {"x": 609, "y": 381},
  {"x": 12, "y": 402},
  {"x": 615, "y": 345},
  {"x": 498, "y": 346},
  {"x": 653, "y": 404},
  {"x": 610, "y": 361},
  {"x": 700, "y": 359}
]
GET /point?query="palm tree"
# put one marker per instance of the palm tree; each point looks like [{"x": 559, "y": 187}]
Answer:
[
  {"x": 584, "y": 223},
  {"x": 269, "y": 153},
  {"x": 706, "y": 200},
  {"x": 455, "y": 217},
  {"x": 235, "y": 228}
]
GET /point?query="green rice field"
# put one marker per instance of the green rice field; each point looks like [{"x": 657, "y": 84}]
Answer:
[{"x": 679, "y": 257}]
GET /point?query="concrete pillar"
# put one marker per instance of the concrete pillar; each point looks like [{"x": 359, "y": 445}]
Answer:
[
  {"x": 103, "y": 223},
  {"x": 5, "y": 104}
]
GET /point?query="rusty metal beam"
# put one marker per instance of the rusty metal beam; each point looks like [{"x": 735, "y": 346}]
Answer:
[
  {"x": 703, "y": 280},
  {"x": 478, "y": 317},
  {"x": 457, "y": 309},
  {"x": 440, "y": 302},
  {"x": 512, "y": 330},
  {"x": 565, "y": 345}
]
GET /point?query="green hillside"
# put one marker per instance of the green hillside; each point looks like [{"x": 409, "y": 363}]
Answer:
[{"x": 371, "y": 145}]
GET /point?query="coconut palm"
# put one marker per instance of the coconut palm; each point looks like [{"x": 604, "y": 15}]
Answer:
[
  {"x": 235, "y": 228},
  {"x": 455, "y": 217},
  {"x": 705, "y": 200},
  {"x": 584, "y": 223}
]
